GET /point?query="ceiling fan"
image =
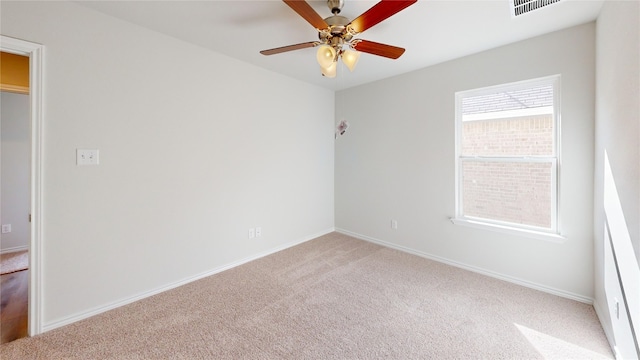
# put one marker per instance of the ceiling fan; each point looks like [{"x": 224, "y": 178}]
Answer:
[{"x": 337, "y": 33}]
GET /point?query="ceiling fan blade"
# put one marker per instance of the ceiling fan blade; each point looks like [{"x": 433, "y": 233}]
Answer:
[
  {"x": 388, "y": 51},
  {"x": 378, "y": 13},
  {"x": 306, "y": 11},
  {"x": 289, "y": 48}
]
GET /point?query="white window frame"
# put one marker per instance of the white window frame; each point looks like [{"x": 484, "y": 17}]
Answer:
[{"x": 553, "y": 233}]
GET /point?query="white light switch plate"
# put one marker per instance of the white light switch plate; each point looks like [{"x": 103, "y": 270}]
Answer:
[
  {"x": 87, "y": 156},
  {"x": 6, "y": 228}
]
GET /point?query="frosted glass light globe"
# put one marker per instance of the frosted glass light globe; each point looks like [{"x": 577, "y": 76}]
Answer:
[
  {"x": 350, "y": 58},
  {"x": 330, "y": 71},
  {"x": 325, "y": 56}
]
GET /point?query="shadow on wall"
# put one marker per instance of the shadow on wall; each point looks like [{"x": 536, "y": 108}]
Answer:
[{"x": 622, "y": 274}]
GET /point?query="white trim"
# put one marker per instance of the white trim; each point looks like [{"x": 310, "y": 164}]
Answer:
[
  {"x": 607, "y": 330},
  {"x": 624, "y": 260},
  {"x": 100, "y": 309},
  {"x": 35, "y": 53},
  {"x": 505, "y": 229},
  {"x": 14, "y": 249},
  {"x": 555, "y": 82},
  {"x": 557, "y": 114},
  {"x": 616, "y": 353},
  {"x": 479, "y": 270}
]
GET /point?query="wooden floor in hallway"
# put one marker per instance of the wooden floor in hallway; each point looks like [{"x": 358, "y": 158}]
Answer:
[{"x": 14, "y": 297}]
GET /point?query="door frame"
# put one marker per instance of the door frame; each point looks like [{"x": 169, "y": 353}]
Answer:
[{"x": 35, "y": 53}]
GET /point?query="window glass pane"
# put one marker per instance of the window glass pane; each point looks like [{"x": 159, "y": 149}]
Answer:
[
  {"x": 515, "y": 192},
  {"x": 519, "y": 136}
]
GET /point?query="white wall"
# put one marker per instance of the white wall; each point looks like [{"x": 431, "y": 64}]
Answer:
[
  {"x": 14, "y": 128},
  {"x": 617, "y": 129},
  {"x": 397, "y": 162},
  {"x": 618, "y": 109},
  {"x": 195, "y": 148}
]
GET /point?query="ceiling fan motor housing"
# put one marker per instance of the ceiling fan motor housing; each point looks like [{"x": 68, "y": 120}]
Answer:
[
  {"x": 337, "y": 24},
  {"x": 335, "y": 6}
]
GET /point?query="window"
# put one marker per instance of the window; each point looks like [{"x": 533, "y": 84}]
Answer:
[{"x": 507, "y": 157}]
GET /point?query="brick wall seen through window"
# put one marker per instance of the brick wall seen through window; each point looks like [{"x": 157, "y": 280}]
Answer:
[{"x": 507, "y": 156}]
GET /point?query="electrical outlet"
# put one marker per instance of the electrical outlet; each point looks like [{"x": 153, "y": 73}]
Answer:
[
  {"x": 252, "y": 233},
  {"x": 394, "y": 224},
  {"x": 87, "y": 156},
  {"x": 6, "y": 228},
  {"x": 258, "y": 232}
]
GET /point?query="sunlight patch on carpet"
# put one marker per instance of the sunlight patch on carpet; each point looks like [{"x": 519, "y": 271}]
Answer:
[{"x": 551, "y": 347}]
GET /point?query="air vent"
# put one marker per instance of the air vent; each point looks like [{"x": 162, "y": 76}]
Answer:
[{"x": 521, "y": 7}]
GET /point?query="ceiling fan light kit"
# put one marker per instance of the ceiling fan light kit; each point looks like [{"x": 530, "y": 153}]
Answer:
[
  {"x": 350, "y": 58},
  {"x": 330, "y": 71},
  {"x": 337, "y": 33},
  {"x": 326, "y": 55}
]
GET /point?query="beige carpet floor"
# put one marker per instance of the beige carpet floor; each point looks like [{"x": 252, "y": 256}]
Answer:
[
  {"x": 334, "y": 297},
  {"x": 15, "y": 261}
]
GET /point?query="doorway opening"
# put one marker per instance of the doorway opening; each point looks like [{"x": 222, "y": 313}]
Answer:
[
  {"x": 14, "y": 196},
  {"x": 34, "y": 53}
]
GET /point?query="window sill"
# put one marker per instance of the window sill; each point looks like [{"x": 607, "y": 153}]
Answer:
[{"x": 557, "y": 238}]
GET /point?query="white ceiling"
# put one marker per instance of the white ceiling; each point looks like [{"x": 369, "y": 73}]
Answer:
[{"x": 431, "y": 31}]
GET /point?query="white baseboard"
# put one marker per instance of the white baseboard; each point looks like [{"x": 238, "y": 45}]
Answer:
[
  {"x": 607, "y": 329},
  {"x": 14, "y": 249},
  {"x": 100, "y": 309},
  {"x": 490, "y": 273}
]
